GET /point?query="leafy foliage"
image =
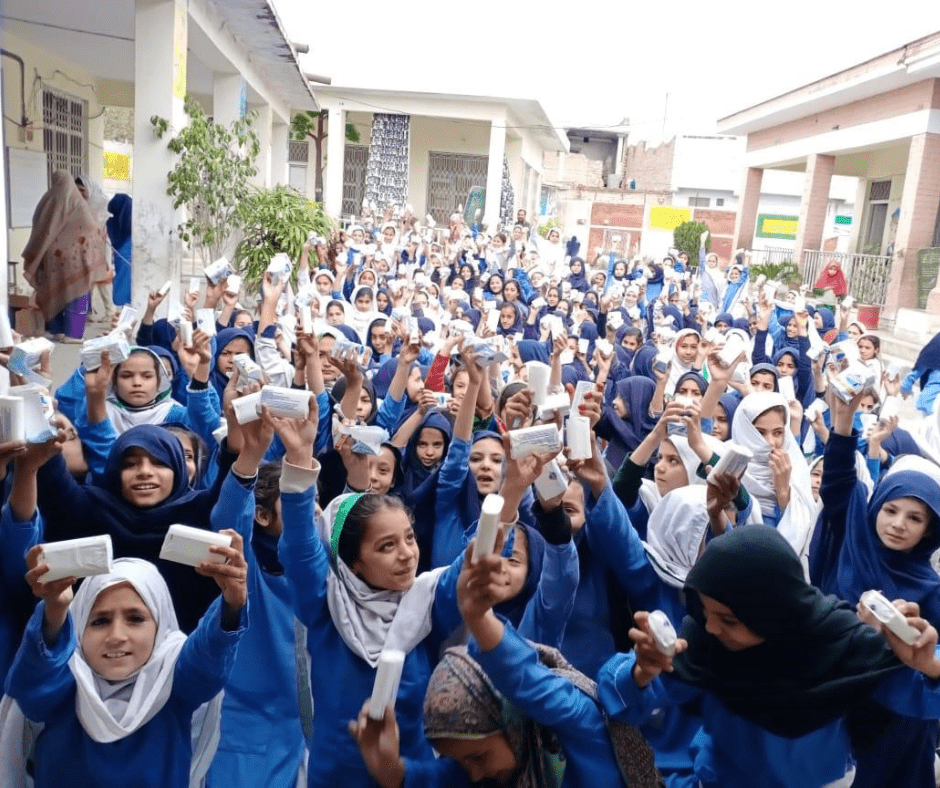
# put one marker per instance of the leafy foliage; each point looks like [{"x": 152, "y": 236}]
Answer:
[
  {"x": 685, "y": 238},
  {"x": 211, "y": 177},
  {"x": 312, "y": 125},
  {"x": 786, "y": 272},
  {"x": 275, "y": 220},
  {"x": 554, "y": 223}
]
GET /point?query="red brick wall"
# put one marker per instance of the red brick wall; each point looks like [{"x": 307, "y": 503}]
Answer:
[
  {"x": 721, "y": 226},
  {"x": 651, "y": 168},
  {"x": 617, "y": 215}
]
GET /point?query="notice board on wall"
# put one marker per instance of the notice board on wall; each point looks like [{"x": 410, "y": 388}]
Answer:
[{"x": 27, "y": 182}]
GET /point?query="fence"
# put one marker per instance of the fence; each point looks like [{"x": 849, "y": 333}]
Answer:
[
  {"x": 867, "y": 275},
  {"x": 928, "y": 267},
  {"x": 772, "y": 255}
]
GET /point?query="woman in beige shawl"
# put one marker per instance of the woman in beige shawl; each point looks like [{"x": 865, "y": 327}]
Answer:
[{"x": 65, "y": 249}]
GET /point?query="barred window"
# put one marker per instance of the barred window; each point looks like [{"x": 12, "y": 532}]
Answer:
[{"x": 65, "y": 132}]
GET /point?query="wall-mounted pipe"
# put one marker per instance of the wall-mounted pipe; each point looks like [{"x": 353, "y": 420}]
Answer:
[{"x": 24, "y": 121}]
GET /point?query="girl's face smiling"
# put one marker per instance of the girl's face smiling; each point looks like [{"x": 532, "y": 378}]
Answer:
[
  {"x": 136, "y": 380},
  {"x": 120, "y": 633},
  {"x": 382, "y": 469},
  {"x": 511, "y": 291},
  {"x": 388, "y": 554},
  {"x": 145, "y": 481},
  {"x": 901, "y": 523},
  {"x": 687, "y": 348}
]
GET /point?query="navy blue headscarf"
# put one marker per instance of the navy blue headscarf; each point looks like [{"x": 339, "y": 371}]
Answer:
[
  {"x": 729, "y": 402},
  {"x": 514, "y": 608},
  {"x": 119, "y": 225},
  {"x": 626, "y": 434},
  {"x": 218, "y": 379},
  {"x": 577, "y": 280}
]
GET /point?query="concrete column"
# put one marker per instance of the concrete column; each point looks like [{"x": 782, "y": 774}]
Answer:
[
  {"x": 160, "y": 28},
  {"x": 227, "y": 91},
  {"x": 335, "y": 147},
  {"x": 618, "y": 167},
  {"x": 494, "y": 173},
  {"x": 279, "y": 146},
  {"x": 264, "y": 129},
  {"x": 919, "y": 204},
  {"x": 813, "y": 205},
  {"x": 746, "y": 221}
]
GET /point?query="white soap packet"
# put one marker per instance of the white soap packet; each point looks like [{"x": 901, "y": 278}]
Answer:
[
  {"x": 734, "y": 460},
  {"x": 551, "y": 483},
  {"x": 664, "y": 633},
  {"x": 248, "y": 371},
  {"x": 344, "y": 350},
  {"x": 127, "y": 319},
  {"x": 785, "y": 385},
  {"x": 851, "y": 381},
  {"x": 91, "y": 555},
  {"x": 115, "y": 344},
  {"x": 205, "y": 321},
  {"x": 27, "y": 355},
  {"x": 195, "y": 285},
  {"x": 488, "y": 526},
  {"x": 387, "y": 678},
  {"x": 219, "y": 270},
  {"x": 12, "y": 419},
  {"x": 540, "y": 439},
  {"x": 247, "y": 408},
  {"x": 559, "y": 402},
  {"x": 280, "y": 268},
  {"x": 605, "y": 347},
  {"x": 285, "y": 402},
  {"x": 186, "y": 545},
  {"x": 186, "y": 333},
  {"x": 165, "y": 287},
  {"x": 578, "y": 435},
  {"x": 889, "y": 408},
  {"x": 892, "y": 618},
  {"x": 814, "y": 408},
  {"x": 233, "y": 283}
]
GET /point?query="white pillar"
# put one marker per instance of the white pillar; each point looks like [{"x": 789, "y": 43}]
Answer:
[
  {"x": 494, "y": 173},
  {"x": 279, "y": 148},
  {"x": 263, "y": 128},
  {"x": 335, "y": 155},
  {"x": 618, "y": 167},
  {"x": 160, "y": 35},
  {"x": 227, "y": 91}
]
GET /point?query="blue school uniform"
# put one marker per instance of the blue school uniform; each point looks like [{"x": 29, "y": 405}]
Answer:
[
  {"x": 158, "y": 754},
  {"x": 17, "y": 538},
  {"x": 262, "y": 737},
  {"x": 341, "y": 680}
]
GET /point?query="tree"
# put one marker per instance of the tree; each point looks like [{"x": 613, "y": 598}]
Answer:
[
  {"x": 686, "y": 238},
  {"x": 312, "y": 125},
  {"x": 211, "y": 177},
  {"x": 275, "y": 220}
]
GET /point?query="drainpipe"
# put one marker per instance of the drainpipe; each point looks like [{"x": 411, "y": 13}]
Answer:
[{"x": 24, "y": 121}]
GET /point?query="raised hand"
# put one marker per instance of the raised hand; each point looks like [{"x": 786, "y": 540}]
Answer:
[
  {"x": 650, "y": 661},
  {"x": 232, "y": 576}
]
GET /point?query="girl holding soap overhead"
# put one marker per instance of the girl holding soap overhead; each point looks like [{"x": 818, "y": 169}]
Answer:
[
  {"x": 144, "y": 489},
  {"x": 113, "y": 680},
  {"x": 881, "y": 542}
]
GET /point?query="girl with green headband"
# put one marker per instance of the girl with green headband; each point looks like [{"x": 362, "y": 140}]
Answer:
[{"x": 357, "y": 591}]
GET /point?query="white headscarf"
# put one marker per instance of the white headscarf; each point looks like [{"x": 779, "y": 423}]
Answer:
[
  {"x": 796, "y": 523},
  {"x": 675, "y": 532},
  {"x": 109, "y": 711},
  {"x": 123, "y": 416},
  {"x": 649, "y": 491},
  {"x": 678, "y": 368},
  {"x": 371, "y": 620},
  {"x": 360, "y": 321},
  {"x": 926, "y": 433}
]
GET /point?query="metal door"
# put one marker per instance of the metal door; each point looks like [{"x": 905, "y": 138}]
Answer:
[
  {"x": 450, "y": 178},
  {"x": 354, "y": 179}
]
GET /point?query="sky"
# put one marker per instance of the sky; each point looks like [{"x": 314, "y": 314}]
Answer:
[{"x": 667, "y": 66}]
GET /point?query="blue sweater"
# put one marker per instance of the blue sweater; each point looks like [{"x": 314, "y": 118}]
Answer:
[
  {"x": 159, "y": 753},
  {"x": 732, "y": 752},
  {"x": 16, "y": 539},
  {"x": 262, "y": 736},
  {"x": 341, "y": 680},
  {"x": 548, "y": 699}
]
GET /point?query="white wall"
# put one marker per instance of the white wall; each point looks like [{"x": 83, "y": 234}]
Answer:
[{"x": 45, "y": 65}]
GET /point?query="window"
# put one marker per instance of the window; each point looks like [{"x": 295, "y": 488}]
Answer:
[
  {"x": 879, "y": 190},
  {"x": 699, "y": 202},
  {"x": 64, "y": 132},
  {"x": 451, "y": 177},
  {"x": 298, "y": 151},
  {"x": 878, "y": 194},
  {"x": 719, "y": 201}
]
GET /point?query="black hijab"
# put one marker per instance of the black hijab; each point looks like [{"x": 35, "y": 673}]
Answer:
[{"x": 817, "y": 660}]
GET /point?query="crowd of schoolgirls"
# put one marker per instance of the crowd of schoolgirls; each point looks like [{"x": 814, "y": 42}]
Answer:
[{"x": 353, "y": 527}]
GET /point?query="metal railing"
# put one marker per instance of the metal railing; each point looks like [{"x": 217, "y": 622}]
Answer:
[
  {"x": 772, "y": 255},
  {"x": 867, "y": 275}
]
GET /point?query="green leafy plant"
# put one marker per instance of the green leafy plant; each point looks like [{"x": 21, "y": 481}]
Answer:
[
  {"x": 312, "y": 125},
  {"x": 275, "y": 220},
  {"x": 554, "y": 223},
  {"x": 685, "y": 238},
  {"x": 785, "y": 272},
  {"x": 212, "y": 175}
]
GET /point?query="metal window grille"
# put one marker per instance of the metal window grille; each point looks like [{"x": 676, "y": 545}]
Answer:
[
  {"x": 699, "y": 202},
  {"x": 298, "y": 151},
  {"x": 356, "y": 160},
  {"x": 719, "y": 201},
  {"x": 879, "y": 190},
  {"x": 65, "y": 132},
  {"x": 451, "y": 176}
]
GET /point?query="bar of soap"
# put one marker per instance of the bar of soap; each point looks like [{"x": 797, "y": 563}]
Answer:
[
  {"x": 186, "y": 545},
  {"x": 91, "y": 555}
]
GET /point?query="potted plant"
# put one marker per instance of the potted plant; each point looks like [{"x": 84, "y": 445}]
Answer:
[{"x": 870, "y": 276}]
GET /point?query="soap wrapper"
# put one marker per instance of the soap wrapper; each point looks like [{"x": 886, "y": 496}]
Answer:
[
  {"x": 186, "y": 545},
  {"x": 85, "y": 557}
]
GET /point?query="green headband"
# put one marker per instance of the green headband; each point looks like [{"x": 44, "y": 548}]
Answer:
[{"x": 340, "y": 521}]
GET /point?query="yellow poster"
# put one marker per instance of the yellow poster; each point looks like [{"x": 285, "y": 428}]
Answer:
[
  {"x": 665, "y": 217},
  {"x": 179, "y": 52},
  {"x": 117, "y": 166}
]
